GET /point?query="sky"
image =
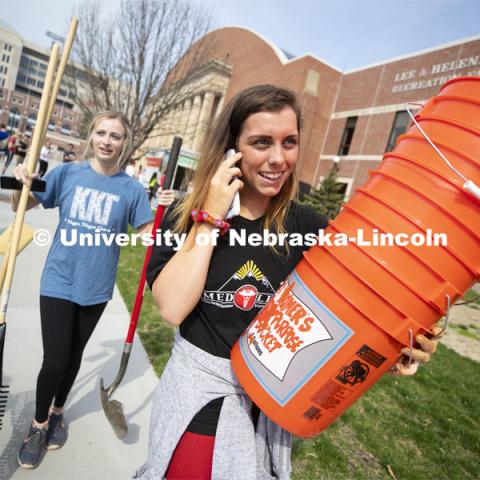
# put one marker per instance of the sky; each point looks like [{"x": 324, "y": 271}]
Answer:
[{"x": 348, "y": 34}]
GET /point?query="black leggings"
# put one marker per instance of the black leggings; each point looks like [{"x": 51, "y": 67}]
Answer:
[
  {"x": 43, "y": 167},
  {"x": 66, "y": 328}
]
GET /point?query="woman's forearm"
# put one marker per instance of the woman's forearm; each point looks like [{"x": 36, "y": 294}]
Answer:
[
  {"x": 15, "y": 199},
  {"x": 180, "y": 284}
]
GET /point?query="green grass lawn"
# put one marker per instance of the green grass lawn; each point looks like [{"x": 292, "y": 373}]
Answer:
[{"x": 419, "y": 428}]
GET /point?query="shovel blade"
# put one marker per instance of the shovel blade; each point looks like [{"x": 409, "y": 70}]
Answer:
[
  {"x": 26, "y": 236},
  {"x": 114, "y": 412}
]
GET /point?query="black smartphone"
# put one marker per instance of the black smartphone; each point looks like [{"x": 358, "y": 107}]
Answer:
[{"x": 11, "y": 183}]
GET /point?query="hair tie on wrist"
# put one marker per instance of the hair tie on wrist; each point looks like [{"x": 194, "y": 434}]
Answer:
[{"x": 201, "y": 216}]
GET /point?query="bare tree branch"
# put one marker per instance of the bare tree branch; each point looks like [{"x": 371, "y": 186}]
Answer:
[{"x": 136, "y": 62}]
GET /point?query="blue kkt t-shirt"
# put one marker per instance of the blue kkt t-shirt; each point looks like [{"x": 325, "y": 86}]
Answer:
[{"x": 89, "y": 203}]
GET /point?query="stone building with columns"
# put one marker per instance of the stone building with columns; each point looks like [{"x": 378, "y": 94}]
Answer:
[
  {"x": 191, "y": 117},
  {"x": 352, "y": 116}
]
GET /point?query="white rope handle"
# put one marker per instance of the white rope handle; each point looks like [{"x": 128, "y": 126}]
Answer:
[{"x": 468, "y": 185}]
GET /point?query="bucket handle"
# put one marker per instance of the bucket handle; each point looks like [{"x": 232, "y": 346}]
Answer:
[
  {"x": 440, "y": 334},
  {"x": 468, "y": 185}
]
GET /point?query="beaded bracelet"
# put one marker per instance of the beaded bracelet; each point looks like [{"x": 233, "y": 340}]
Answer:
[{"x": 200, "y": 216}]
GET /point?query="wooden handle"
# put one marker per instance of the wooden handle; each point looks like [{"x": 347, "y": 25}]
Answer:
[
  {"x": 67, "y": 48},
  {"x": 32, "y": 163},
  {"x": 47, "y": 104}
]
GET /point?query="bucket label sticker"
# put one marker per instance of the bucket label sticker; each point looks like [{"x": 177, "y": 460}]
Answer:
[
  {"x": 353, "y": 373},
  {"x": 331, "y": 395},
  {"x": 284, "y": 328},
  {"x": 336, "y": 391},
  {"x": 371, "y": 356},
  {"x": 291, "y": 339},
  {"x": 313, "y": 413}
]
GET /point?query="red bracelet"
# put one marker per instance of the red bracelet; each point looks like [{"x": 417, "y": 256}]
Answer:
[{"x": 200, "y": 216}]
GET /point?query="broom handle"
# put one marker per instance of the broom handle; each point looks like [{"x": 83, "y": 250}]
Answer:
[
  {"x": 3, "y": 271},
  {"x": 58, "y": 80},
  {"x": 137, "y": 306},
  {"x": 32, "y": 163},
  {"x": 67, "y": 48}
]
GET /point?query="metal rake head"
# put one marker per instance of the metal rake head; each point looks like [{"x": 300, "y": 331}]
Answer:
[{"x": 4, "y": 390}]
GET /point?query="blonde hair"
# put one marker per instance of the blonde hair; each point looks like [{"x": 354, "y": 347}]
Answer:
[
  {"x": 223, "y": 136},
  {"x": 110, "y": 115}
]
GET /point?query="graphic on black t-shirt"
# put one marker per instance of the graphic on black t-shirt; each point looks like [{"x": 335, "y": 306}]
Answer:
[{"x": 235, "y": 293}]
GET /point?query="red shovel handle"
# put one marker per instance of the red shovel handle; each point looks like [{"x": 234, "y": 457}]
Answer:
[{"x": 174, "y": 153}]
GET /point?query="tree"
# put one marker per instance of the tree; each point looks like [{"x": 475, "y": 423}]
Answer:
[
  {"x": 328, "y": 198},
  {"x": 126, "y": 61}
]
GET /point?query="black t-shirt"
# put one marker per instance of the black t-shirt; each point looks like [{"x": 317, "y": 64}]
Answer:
[{"x": 241, "y": 280}]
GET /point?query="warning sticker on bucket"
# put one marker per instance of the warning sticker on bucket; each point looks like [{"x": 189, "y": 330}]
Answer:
[{"x": 291, "y": 339}]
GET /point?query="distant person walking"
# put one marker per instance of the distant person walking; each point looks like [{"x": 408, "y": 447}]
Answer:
[
  {"x": 45, "y": 156},
  {"x": 3, "y": 140},
  {"x": 10, "y": 151},
  {"x": 153, "y": 186},
  {"x": 21, "y": 146},
  {"x": 130, "y": 169},
  {"x": 69, "y": 154}
]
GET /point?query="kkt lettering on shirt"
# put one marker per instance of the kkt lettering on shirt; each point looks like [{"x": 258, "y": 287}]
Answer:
[{"x": 92, "y": 205}]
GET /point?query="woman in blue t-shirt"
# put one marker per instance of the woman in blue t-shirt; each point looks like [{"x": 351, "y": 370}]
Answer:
[
  {"x": 202, "y": 424},
  {"x": 94, "y": 198}
]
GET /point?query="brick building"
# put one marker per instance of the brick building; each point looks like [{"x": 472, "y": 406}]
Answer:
[
  {"x": 23, "y": 66},
  {"x": 354, "y": 115}
]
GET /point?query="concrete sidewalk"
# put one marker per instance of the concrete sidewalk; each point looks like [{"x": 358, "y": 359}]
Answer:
[{"x": 92, "y": 450}]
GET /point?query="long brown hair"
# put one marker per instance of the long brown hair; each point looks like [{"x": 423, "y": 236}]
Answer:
[
  {"x": 110, "y": 115},
  {"x": 224, "y": 135}
]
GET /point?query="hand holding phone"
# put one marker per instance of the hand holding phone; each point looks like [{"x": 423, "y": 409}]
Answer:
[{"x": 234, "y": 209}]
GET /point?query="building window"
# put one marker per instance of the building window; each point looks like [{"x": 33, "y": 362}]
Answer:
[
  {"x": 5, "y": 70},
  {"x": 21, "y": 78},
  {"x": 347, "y": 136},
  {"x": 3, "y": 82},
  {"x": 400, "y": 125},
  {"x": 66, "y": 128},
  {"x": 40, "y": 83},
  {"x": 13, "y": 118}
]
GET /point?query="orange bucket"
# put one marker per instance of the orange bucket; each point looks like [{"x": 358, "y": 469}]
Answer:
[{"x": 338, "y": 322}]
